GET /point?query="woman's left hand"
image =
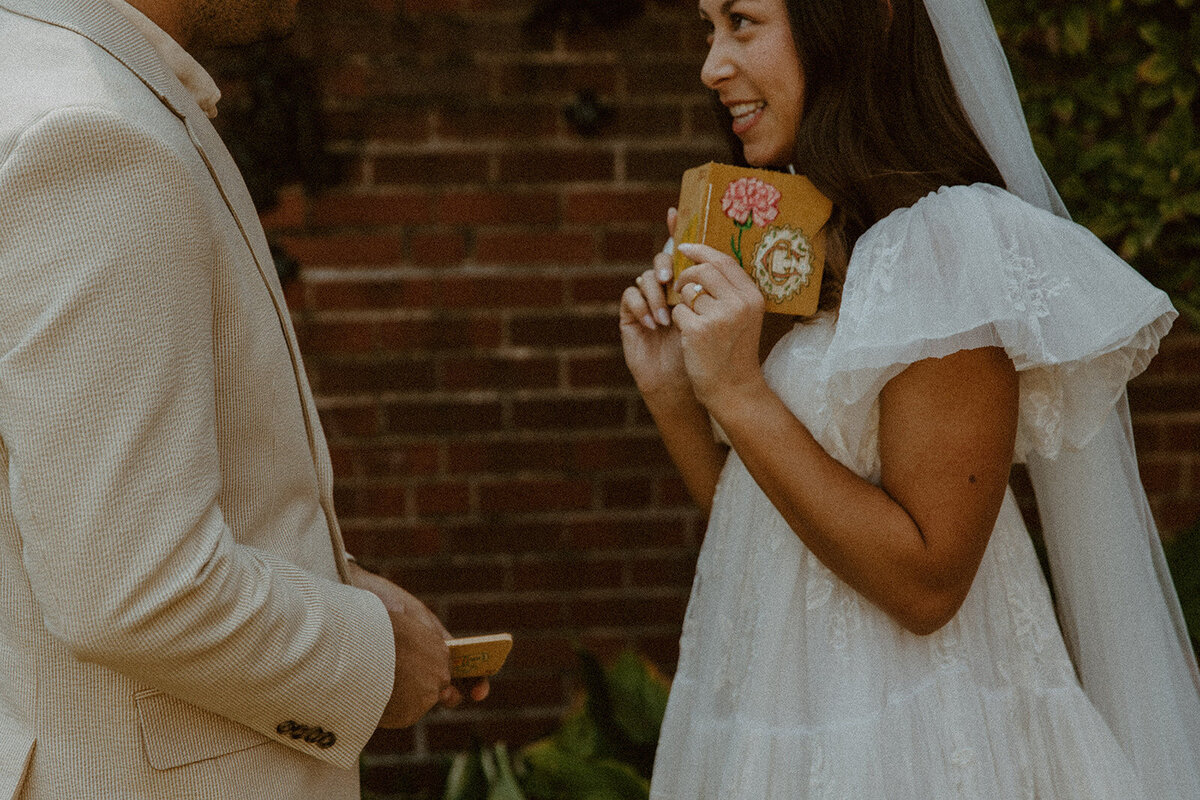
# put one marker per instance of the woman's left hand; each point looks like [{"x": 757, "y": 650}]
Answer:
[{"x": 720, "y": 321}]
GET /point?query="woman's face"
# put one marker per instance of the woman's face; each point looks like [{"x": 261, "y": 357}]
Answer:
[{"x": 753, "y": 67}]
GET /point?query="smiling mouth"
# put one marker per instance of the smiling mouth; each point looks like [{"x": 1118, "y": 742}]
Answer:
[{"x": 745, "y": 115}]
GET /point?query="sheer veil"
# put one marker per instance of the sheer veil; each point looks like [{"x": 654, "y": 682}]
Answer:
[{"x": 1118, "y": 609}]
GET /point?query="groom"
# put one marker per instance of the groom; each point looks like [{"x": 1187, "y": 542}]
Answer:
[{"x": 178, "y": 617}]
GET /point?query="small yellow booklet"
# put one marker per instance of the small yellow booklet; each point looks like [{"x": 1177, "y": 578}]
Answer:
[
  {"x": 772, "y": 223},
  {"x": 478, "y": 656}
]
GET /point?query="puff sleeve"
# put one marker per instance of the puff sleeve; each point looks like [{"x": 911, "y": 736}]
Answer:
[{"x": 974, "y": 266}]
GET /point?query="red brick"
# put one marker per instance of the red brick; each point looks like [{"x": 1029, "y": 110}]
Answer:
[
  {"x": 619, "y": 451},
  {"x": 1165, "y": 395},
  {"x": 441, "y": 416},
  {"x": 1176, "y": 514},
  {"x": 481, "y": 207},
  {"x": 442, "y": 498},
  {"x": 628, "y": 612},
  {"x": 513, "y": 613},
  {"x": 669, "y": 571},
  {"x": 380, "y": 500},
  {"x": 399, "y": 459},
  {"x": 667, "y": 164},
  {"x": 527, "y": 247},
  {"x": 289, "y": 210},
  {"x": 494, "y": 372},
  {"x": 336, "y": 336},
  {"x": 349, "y": 421},
  {"x": 345, "y": 249},
  {"x": 562, "y": 330},
  {"x": 431, "y": 169},
  {"x": 625, "y": 533},
  {"x": 427, "y": 248},
  {"x": 531, "y": 78},
  {"x": 524, "y": 118},
  {"x": 346, "y": 295},
  {"x": 630, "y": 247},
  {"x": 1181, "y": 437},
  {"x": 604, "y": 288},
  {"x": 569, "y": 574},
  {"x": 504, "y": 536},
  {"x": 534, "y": 495},
  {"x": 507, "y": 455},
  {"x": 556, "y": 165},
  {"x": 492, "y": 291},
  {"x": 342, "y": 209},
  {"x": 356, "y": 375},
  {"x": 651, "y": 120},
  {"x": 627, "y": 493},
  {"x": 1161, "y": 476},
  {"x": 592, "y": 371},
  {"x": 672, "y": 491},
  {"x": 442, "y": 333},
  {"x": 569, "y": 413},
  {"x": 606, "y": 206},
  {"x": 440, "y": 576}
]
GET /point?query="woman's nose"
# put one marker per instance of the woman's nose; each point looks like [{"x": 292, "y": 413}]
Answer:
[{"x": 718, "y": 66}]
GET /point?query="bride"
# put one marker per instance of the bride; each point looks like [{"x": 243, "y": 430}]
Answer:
[{"x": 868, "y": 618}]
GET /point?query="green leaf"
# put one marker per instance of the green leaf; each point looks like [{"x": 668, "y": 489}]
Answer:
[
  {"x": 1155, "y": 69},
  {"x": 466, "y": 779},
  {"x": 1076, "y": 30},
  {"x": 639, "y": 696},
  {"x": 505, "y": 786}
]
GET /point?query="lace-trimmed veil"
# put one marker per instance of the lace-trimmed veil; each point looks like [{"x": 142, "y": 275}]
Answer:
[{"x": 1117, "y": 606}]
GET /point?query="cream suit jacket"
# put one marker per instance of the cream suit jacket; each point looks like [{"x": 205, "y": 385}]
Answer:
[{"x": 174, "y": 615}]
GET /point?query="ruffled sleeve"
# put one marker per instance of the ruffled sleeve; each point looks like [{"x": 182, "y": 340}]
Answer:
[{"x": 974, "y": 266}]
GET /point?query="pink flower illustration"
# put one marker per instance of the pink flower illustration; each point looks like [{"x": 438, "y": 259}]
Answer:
[{"x": 748, "y": 198}]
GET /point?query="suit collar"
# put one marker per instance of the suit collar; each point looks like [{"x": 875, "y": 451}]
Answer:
[
  {"x": 193, "y": 76},
  {"x": 112, "y": 31}
]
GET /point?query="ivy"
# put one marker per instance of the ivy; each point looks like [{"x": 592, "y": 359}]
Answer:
[{"x": 1110, "y": 91}]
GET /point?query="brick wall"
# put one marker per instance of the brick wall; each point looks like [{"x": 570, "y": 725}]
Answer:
[{"x": 457, "y": 305}]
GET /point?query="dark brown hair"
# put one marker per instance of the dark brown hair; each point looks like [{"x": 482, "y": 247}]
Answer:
[{"x": 882, "y": 126}]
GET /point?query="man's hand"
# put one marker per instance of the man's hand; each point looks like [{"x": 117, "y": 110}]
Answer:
[{"x": 422, "y": 658}]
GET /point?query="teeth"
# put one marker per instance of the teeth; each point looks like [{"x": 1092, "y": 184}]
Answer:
[{"x": 745, "y": 109}]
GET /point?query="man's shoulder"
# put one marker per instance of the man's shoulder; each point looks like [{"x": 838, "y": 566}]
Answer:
[{"x": 45, "y": 69}]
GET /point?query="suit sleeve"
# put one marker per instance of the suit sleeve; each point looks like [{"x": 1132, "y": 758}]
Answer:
[{"x": 107, "y": 414}]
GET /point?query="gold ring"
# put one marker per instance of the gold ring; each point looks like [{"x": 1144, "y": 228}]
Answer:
[{"x": 697, "y": 290}]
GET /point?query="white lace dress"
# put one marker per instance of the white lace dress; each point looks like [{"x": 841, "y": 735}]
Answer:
[{"x": 790, "y": 684}]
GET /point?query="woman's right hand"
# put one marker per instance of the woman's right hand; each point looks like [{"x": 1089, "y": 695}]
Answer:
[{"x": 651, "y": 343}]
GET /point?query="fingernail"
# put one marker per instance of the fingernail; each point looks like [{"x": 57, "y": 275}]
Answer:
[
  {"x": 664, "y": 275},
  {"x": 663, "y": 316},
  {"x": 648, "y": 321}
]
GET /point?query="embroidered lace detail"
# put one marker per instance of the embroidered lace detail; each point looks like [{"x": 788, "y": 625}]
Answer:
[
  {"x": 1029, "y": 286},
  {"x": 963, "y": 767},
  {"x": 947, "y": 647},
  {"x": 1041, "y": 427}
]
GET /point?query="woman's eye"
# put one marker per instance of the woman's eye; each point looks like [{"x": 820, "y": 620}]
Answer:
[{"x": 737, "y": 21}]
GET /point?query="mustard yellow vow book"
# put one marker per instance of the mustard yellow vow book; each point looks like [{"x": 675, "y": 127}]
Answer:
[{"x": 772, "y": 223}]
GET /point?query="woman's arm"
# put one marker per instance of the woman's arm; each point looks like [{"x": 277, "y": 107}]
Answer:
[{"x": 947, "y": 427}]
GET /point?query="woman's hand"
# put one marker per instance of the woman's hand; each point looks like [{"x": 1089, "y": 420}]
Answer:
[
  {"x": 650, "y": 341},
  {"x": 720, "y": 322}
]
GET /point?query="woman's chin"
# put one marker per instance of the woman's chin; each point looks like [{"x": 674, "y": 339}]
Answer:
[{"x": 762, "y": 158}]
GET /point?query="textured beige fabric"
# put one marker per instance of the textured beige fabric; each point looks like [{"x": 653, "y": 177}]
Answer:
[{"x": 171, "y": 571}]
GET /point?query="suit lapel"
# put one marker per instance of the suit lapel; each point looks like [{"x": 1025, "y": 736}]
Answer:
[{"x": 105, "y": 26}]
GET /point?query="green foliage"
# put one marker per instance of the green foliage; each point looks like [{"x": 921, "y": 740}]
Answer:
[
  {"x": 603, "y": 751},
  {"x": 1110, "y": 91}
]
